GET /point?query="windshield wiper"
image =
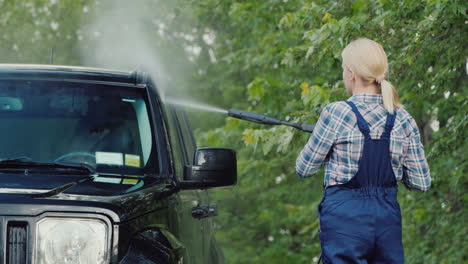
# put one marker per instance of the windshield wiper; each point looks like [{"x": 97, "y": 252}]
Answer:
[
  {"x": 26, "y": 162},
  {"x": 61, "y": 188},
  {"x": 19, "y": 159}
]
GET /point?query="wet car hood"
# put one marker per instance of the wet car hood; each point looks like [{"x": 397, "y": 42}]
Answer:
[{"x": 119, "y": 208}]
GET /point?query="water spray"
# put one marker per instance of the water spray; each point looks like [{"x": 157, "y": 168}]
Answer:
[
  {"x": 268, "y": 120},
  {"x": 240, "y": 114}
]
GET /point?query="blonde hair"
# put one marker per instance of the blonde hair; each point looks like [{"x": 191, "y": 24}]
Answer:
[{"x": 368, "y": 60}]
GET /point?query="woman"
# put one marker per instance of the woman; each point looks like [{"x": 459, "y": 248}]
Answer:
[{"x": 368, "y": 143}]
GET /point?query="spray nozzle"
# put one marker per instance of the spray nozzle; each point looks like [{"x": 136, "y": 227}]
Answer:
[
  {"x": 254, "y": 117},
  {"x": 267, "y": 120}
]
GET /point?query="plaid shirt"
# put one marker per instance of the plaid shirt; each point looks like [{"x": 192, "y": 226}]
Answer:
[{"x": 337, "y": 141}]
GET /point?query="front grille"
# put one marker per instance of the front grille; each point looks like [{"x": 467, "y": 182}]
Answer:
[{"x": 17, "y": 242}]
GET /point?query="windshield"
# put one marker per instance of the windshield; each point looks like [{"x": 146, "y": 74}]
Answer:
[{"x": 106, "y": 127}]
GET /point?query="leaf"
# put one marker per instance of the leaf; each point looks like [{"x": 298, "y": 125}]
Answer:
[
  {"x": 358, "y": 6},
  {"x": 232, "y": 123},
  {"x": 326, "y": 17},
  {"x": 268, "y": 144},
  {"x": 288, "y": 59},
  {"x": 305, "y": 88},
  {"x": 248, "y": 136},
  {"x": 287, "y": 21},
  {"x": 284, "y": 140},
  {"x": 256, "y": 89},
  {"x": 310, "y": 51}
]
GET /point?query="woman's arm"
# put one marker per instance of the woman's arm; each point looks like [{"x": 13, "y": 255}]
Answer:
[
  {"x": 416, "y": 175},
  {"x": 316, "y": 150}
]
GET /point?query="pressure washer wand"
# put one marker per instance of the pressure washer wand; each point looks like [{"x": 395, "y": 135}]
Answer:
[{"x": 268, "y": 120}]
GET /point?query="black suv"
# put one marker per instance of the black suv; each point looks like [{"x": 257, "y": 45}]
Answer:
[{"x": 95, "y": 168}]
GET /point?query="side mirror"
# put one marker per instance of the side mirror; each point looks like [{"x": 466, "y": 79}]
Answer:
[{"x": 213, "y": 167}]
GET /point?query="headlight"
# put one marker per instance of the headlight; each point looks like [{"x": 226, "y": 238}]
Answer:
[{"x": 71, "y": 241}]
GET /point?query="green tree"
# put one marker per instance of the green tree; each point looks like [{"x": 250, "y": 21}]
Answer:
[{"x": 282, "y": 58}]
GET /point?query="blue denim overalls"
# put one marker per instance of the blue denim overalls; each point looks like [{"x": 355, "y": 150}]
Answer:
[{"x": 360, "y": 221}]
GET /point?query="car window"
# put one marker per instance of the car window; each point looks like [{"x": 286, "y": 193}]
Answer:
[
  {"x": 175, "y": 137},
  {"x": 104, "y": 126},
  {"x": 187, "y": 135}
]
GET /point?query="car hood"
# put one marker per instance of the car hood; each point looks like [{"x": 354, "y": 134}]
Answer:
[{"x": 119, "y": 208}]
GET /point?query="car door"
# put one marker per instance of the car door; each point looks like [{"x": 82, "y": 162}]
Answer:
[
  {"x": 212, "y": 253},
  {"x": 181, "y": 223},
  {"x": 188, "y": 229}
]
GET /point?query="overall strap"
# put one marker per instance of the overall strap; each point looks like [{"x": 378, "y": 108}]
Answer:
[
  {"x": 389, "y": 125},
  {"x": 362, "y": 124}
]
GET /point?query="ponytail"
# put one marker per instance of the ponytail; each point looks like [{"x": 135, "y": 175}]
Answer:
[
  {"x": 367, "y": 59},
  {"x": 390, "y": 96}
]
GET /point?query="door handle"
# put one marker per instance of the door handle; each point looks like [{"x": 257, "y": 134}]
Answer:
[{"x": 203, "y": 211}]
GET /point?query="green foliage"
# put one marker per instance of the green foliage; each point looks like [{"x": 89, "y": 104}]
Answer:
[
  {"x": 31, "y": 29},
  {"x": 283, "y": 58}
]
